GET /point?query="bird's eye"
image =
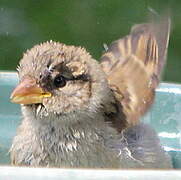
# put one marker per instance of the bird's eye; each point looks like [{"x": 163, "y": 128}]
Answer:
[{"x": 59, "y": 81}]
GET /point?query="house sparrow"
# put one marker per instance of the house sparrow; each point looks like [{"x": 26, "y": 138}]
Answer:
[{"x": 78, "y": 112}]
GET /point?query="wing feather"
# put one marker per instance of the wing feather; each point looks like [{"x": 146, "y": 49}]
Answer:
[{"x": 133, "y": 66}]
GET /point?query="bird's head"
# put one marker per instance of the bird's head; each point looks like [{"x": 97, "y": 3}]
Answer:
[{"x": 60, "y": 79}]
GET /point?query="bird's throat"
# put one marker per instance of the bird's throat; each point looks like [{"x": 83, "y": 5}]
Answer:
[{"x": 80, "y": 143}]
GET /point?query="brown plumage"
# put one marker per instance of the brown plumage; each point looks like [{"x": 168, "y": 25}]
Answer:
[
  {"x": 81, "y": 113},
  {"x": 133, "y": 66}
]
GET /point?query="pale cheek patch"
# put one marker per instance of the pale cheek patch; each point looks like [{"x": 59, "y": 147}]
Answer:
[{"x": 72, "y": 97}]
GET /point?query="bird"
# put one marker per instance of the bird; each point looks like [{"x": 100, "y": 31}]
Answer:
[{"x": 78, "y": 112}]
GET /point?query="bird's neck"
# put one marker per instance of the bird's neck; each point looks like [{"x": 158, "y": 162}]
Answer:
[
  {"x": 79, "y": 139},
  {"x": 72, "y": 124}
]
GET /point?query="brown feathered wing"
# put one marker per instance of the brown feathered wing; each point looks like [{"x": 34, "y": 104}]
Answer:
[{"x": 133, "y": 66}]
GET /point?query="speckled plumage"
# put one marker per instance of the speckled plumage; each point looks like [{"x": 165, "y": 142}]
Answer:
[{"x": 86, "y": 123}]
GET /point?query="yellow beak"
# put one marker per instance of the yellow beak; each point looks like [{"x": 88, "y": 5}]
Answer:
[{"x": 28, "y": 92}]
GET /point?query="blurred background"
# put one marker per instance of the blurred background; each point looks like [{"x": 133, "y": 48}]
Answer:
[{"x": 88, "y": 23}]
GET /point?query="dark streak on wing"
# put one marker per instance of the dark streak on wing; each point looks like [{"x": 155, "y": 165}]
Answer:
[
  {"x": 134, "y": 41},
  {"x": 115, "y": 118},
  {"x": 115, "y": 49},
  {"x": 146, "y": 60}
]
